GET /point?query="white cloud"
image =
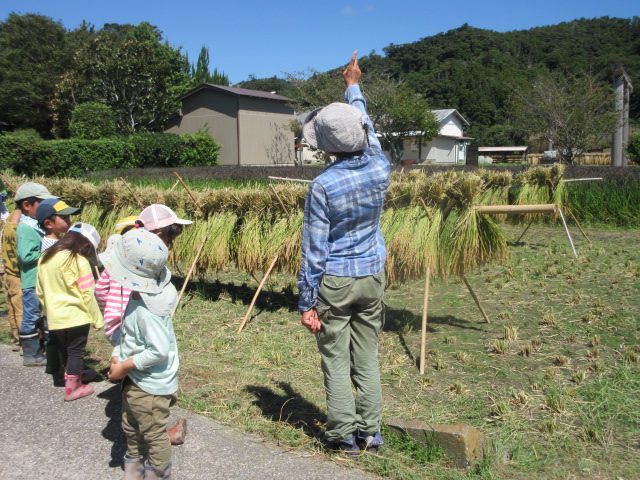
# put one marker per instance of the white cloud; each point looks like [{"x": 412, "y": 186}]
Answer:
[{"x": 349, "y": 11}]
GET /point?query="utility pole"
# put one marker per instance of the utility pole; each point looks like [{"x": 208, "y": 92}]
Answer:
[{"x": 623, "y": 88}]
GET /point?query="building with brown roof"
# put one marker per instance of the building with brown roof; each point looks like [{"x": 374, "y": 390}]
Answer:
[{"x": 252, "y": 126}]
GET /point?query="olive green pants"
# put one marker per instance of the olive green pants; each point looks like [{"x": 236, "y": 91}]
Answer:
[
  {"x": 14, "y": 299},
  {"x": 144, "y": 421},
  {"x": 352, "y": 313}
]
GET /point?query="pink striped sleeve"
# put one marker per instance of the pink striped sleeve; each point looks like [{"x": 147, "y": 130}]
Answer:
[{"x": 85, "y": 282}]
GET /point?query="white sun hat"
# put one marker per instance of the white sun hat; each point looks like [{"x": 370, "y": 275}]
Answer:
[
  {"x": 87, "y": 231},
  {"x": 136, "y": 260}
]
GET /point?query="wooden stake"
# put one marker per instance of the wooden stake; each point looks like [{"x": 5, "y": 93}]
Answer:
[
  {"x": 577, "y": 223},
  {"x": 135, "y": 197},
  {"x": 284, "y": 209},
  {"x": 525, "y": 230},
  {"x": 476, "y": 299},
  {"x": 564, "y": 222},
  {"x": 425, "y": 309},
  {"x": 175, "y": 184},
  {"x": 193, "y": 265},
  {"x": 255, "y": 297},
  {"x": 187, "y": 189}
]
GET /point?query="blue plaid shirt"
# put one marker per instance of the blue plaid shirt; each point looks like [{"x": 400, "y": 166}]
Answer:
[{"x": 341, "y": 234}]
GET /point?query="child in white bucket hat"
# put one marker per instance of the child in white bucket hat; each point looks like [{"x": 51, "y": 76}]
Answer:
[{"x": 147, "y": 357}]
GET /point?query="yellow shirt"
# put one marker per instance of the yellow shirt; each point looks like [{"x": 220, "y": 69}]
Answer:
[{"x": 65, "y": 289}]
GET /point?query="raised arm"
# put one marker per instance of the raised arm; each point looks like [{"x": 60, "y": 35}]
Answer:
[{"x": 353, "y": 96}]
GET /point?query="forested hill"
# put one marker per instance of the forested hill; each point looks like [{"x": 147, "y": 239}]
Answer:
[{"x": 472, "y": 69}]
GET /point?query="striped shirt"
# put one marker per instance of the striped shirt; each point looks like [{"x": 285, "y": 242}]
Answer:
[
  {"x": 112, "y": 300},
  {"x": 341, "y": 233},
  {"x": 47, "y": 243}
]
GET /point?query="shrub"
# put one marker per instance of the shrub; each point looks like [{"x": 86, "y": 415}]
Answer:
[
  {"x": 154, "y": 149},
  {"x": 24, "y": 133},
  {"x": 92, "y": 120},
  {"x": 199, "y": 149},
  {"x": 633, "y": 149},
  {"x": 74, "y": 157}
]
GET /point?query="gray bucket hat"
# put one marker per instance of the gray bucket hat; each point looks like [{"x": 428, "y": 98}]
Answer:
[
  {"x": 162, "y": 304},
  {"x": 32, "y": 189},
  {"x": 336, "y": 128},
  {"x": 136, "y": 260}
]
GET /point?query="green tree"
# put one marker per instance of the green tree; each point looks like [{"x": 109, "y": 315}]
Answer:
[
  {"x": 200, "y": 72},
  {"x": 129, "y": 68},
  {"x": 271, "y": 84},
  {"x": 574, "y": 114},
  {"x": 33, "y": 56},
  {"x": 396, "y": 112},
  {"x": 92, "y": 120}
]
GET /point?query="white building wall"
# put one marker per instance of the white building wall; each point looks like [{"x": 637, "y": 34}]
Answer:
[{"x": 452, "y": 127}]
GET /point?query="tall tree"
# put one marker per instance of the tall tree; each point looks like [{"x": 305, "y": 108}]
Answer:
[
  {"x": 130, "y": 69},
  {"x": 574, "y": 114},
  {"x": 33, "y": 55},
  {"x": 200, "y": 72}
]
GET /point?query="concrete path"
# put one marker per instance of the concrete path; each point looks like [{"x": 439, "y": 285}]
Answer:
[{"x": 44, "y": 437}]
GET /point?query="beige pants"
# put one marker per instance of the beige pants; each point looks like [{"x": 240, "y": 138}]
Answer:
[
  {"x": 14, "y": 299},
  {"x": 144, "y": 421}
]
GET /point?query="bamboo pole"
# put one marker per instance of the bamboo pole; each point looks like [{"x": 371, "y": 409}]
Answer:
[
  {"x": 582, "y": 179},
  {"x": 255, "y": 297},
  {"x": 186, "y": 280},
  {"x": 525, "y": 230},
  {"x": 542, "y": 208},
  {"x": 564, "y": 222},
  {"x": 284, "y": 209},
  {"x": 476, "y": 299},
  {"x": 175, "y": 184},
  {"x": 284, "y": 179},
  {"x": 187, "y": 189},
  {"x": 577, "y": 223},
  {"x": 135, "y": 197},
  {"x": 425, "y": 309}
]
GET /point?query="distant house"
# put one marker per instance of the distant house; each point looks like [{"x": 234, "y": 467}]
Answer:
[
  {"x": 252, "y": 126},
  {"x": 448, "y": 146}
]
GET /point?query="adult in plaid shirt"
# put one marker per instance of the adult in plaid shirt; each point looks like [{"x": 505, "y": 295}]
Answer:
[{"x": 341, "y": 279}]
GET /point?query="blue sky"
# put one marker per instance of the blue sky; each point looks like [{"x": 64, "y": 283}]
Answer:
[{"x": 269, "y": 38}]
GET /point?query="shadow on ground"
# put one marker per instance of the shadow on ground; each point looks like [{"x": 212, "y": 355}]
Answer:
[
  {"x": 289, "y": 406},
  {"x": 113, "y": 430},
  {"x": 268, "y": 300}
]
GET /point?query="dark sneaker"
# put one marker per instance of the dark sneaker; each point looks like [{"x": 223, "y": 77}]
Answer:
[
  {"x": 370, "y": 443},
  {"x": 348, "y": 447}
]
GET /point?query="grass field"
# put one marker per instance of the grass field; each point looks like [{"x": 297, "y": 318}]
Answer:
[{"x": 553, "y": 380}]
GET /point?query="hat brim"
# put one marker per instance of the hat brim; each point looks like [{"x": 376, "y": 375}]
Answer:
[
  {"x": 68, "y": 211},
  {"x": 162, "y": 304},
  {"x": 309, "y": 128},
  {"x": 128, "y": 279}
]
